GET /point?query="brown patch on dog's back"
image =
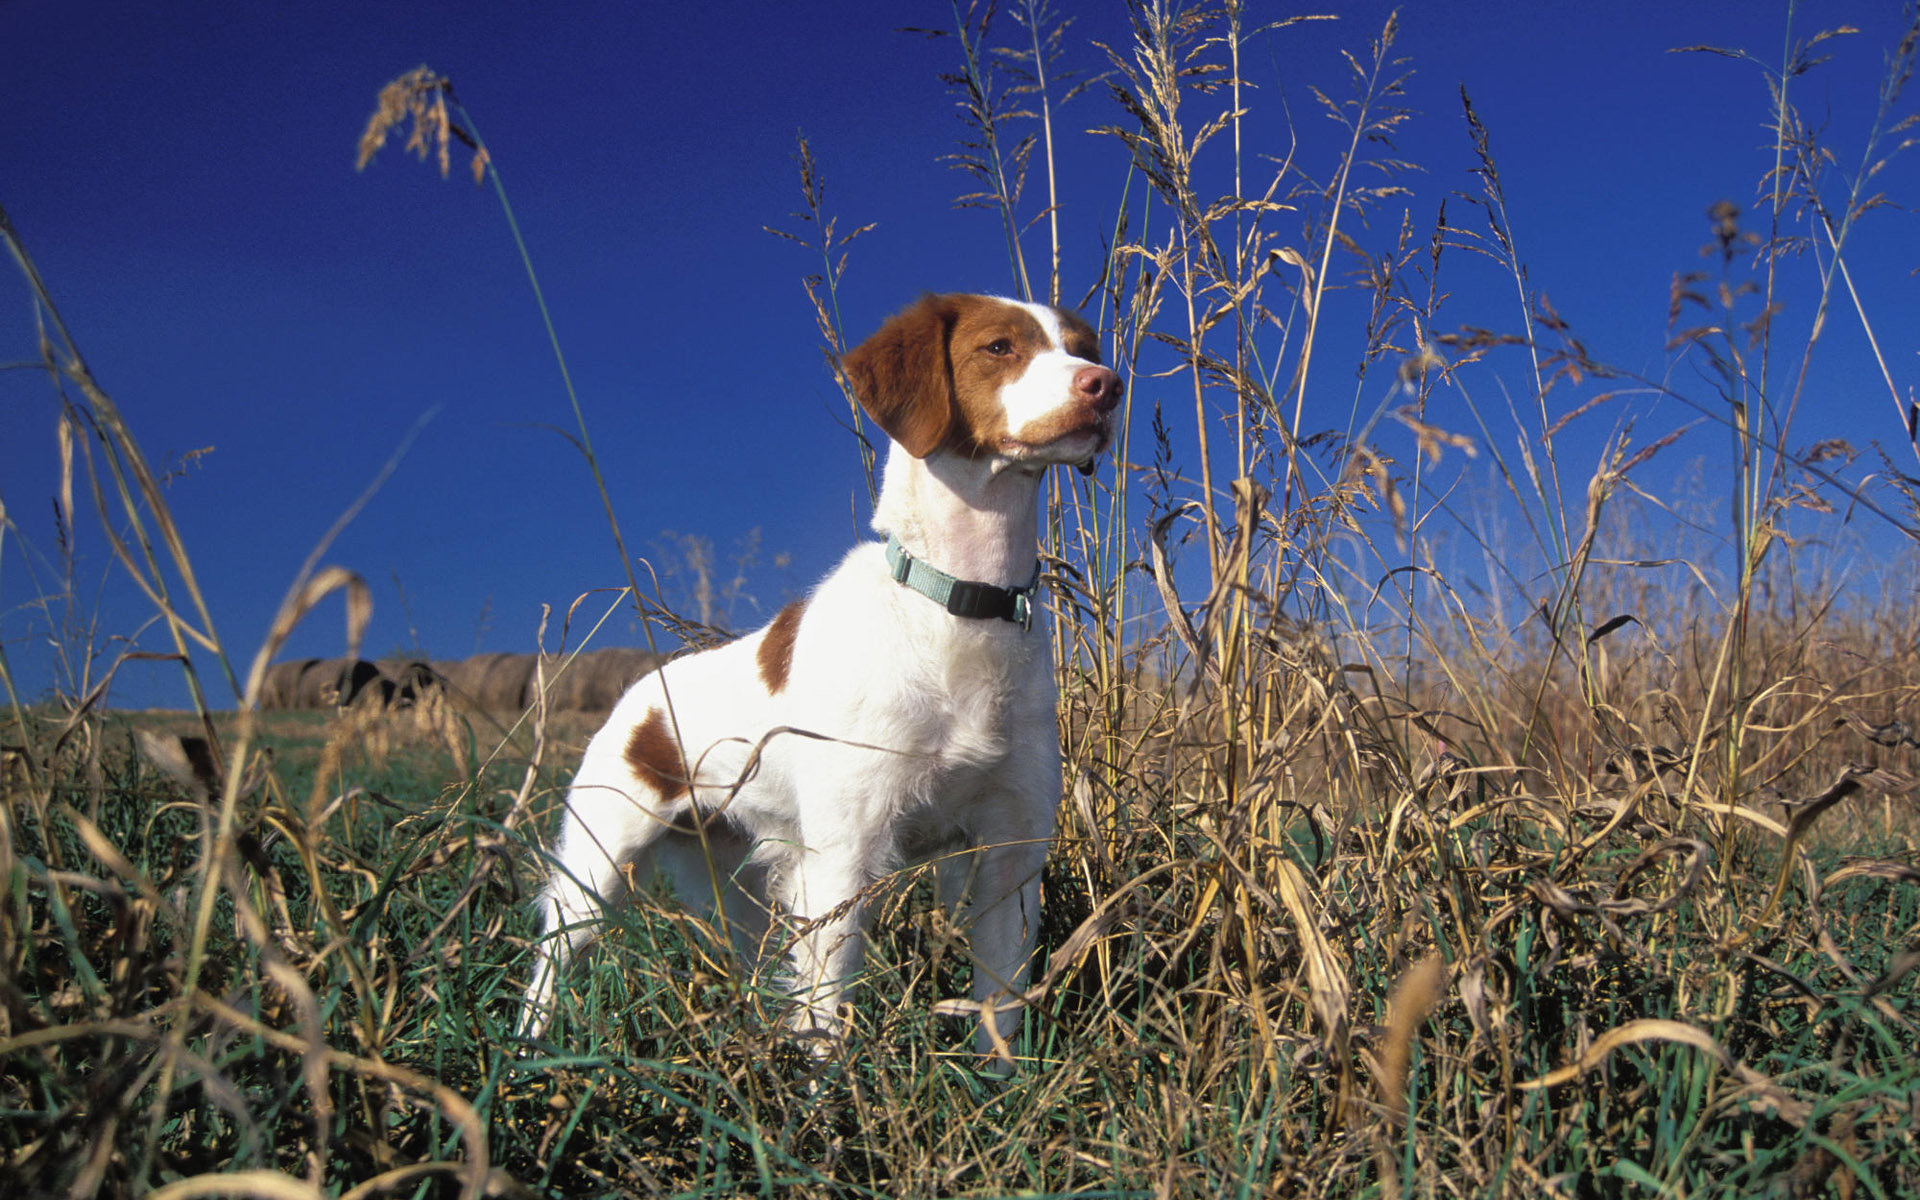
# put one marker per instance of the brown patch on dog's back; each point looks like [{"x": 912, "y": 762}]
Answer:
[
  {"x": 655, "y": 756},
  {"x": 776, "y": 648}
]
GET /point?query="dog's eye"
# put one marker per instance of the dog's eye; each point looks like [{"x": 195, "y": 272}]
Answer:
[{"x": 1000, "y": 347}]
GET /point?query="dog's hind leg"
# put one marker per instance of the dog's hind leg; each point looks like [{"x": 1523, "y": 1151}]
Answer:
[
  {"x": 608, "y": 833},
  {"x": 586, "y": 877}
]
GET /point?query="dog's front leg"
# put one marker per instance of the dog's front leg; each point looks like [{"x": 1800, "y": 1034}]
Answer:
[
  {"x": 828, "y": 902},
  {"x": 1005, "y": 926}
]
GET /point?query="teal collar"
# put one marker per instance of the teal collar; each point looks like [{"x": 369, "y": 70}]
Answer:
[{"x": 963, "y": 597}]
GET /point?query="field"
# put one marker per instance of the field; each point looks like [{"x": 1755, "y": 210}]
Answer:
[{"x": 1594, "y": 873}]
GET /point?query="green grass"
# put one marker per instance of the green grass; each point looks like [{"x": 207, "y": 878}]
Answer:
[
  {"x": 1188, "y": 1049},
  {"x": 1362, "y": 888}
]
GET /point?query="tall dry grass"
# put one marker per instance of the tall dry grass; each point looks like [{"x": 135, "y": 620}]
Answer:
[{"x": 1414, "y": 843}]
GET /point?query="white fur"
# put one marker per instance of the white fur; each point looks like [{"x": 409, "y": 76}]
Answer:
[
  {"x": 902, "y": 734},
  {"x": 1036, "y": 395}
]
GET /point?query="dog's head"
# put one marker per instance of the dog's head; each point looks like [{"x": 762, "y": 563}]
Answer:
[{"x": 981, "y": 376}]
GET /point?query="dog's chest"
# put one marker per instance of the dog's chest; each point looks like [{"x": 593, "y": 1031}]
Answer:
[
  {"x": 985, "y": 690},
  {"x": 881, "y": 666},
  {"x": 975, "y": 694}
]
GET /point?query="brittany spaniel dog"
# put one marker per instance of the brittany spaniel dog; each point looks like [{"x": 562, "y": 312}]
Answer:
[{"x": 901, "y": 713}]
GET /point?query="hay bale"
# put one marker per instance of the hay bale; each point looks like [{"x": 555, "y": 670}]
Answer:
[
  {"x": 414, "y": 683},
  {"x": 593, "y": 682},
  {"x": 281, "y": 689},
  {"x": 457, "y": 677},
  {"x": 596, "y": 679},
  {"x": 487, "y": 682},
  {"x": 318, "y": 683},
  {"x": 358, "y": 683},
  {"x": 337, "y": 683},
  {"x": 506, "y": 683}
]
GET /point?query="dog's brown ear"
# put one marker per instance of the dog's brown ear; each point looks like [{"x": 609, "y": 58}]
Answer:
[{"x": 903, "y": 377}]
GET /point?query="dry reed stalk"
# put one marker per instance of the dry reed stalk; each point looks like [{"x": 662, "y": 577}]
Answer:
[{"x": 419, "y": 96}]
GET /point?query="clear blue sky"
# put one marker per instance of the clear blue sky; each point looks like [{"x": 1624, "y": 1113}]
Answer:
[{"x": 184, "y": 176}]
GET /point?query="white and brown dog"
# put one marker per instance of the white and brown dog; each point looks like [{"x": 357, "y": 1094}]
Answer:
[{"x": 902, "y": 712}]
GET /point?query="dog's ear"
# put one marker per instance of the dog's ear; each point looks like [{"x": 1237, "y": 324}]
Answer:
[{"x": 903, "y": 377}]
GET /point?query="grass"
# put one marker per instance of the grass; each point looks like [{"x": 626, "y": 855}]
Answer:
[{"x": 1593, "y": 873}]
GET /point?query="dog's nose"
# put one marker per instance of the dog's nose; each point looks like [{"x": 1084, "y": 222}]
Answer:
[{"x": 1098, "y": 386}]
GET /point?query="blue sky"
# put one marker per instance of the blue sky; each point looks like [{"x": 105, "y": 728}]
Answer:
[{"x": 183, "y": 175}]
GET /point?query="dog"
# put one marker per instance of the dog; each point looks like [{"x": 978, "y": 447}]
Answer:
[{"x": 904, "y": 712}]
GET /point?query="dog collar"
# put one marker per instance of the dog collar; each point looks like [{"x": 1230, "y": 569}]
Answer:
[{"x": 963, "y": 597}]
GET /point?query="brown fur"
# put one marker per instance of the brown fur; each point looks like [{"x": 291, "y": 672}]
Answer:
[
  {"x": 654, "y": 756},
  {"x": 902, "y": 378},
  {"x": 776, "y": 649},
  {"x": 989, "y": 346},
  {"x": 1077, "y": 337},
  {"x": 931, "y": 376}
]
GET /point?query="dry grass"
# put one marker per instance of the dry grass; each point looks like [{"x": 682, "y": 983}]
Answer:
[
  {"x": 1377, "y": 875},
  {"x": 419, "y": 99}
]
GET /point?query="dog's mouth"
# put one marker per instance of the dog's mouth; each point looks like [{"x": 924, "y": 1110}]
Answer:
[
  {"x": 1103, "y": 437},
  {"x": 1079, "y": 446}
]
